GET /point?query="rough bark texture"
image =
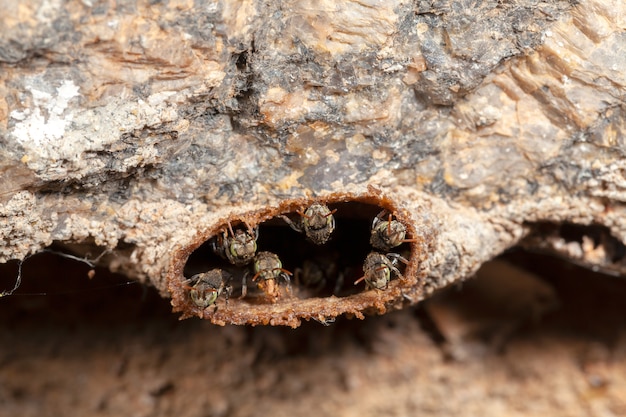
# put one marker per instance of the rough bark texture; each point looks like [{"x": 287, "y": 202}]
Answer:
[
  {"x": 141, "y": 128},
  {"x": 134, "y": 134}
]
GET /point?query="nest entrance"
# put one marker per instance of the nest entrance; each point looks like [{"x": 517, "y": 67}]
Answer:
[
  {"x": 322, "y": 276},
  {"x": 323, "y": 270}
]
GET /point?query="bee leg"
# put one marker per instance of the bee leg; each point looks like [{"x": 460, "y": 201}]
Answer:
[
  {"x": 395, "y": 271},
  {"x": 291, "y": 223},
  {"x": 244, "y": 286},
  {"x": 396, "y": 257},
  {"x": 287, "y": 280},
  {"x": 228, "y": 290}
]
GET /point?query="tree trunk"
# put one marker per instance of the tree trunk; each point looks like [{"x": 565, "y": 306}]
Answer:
[{"x": 145, "y": 131}]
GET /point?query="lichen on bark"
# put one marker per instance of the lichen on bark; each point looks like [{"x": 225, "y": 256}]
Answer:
[{"x": 134, "y": 128}]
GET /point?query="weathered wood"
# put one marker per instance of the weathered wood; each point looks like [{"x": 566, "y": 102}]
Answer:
[{"x": 141, "y": 128}]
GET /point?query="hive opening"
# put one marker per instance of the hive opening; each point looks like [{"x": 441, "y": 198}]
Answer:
[{"x": 315, "y": 270}]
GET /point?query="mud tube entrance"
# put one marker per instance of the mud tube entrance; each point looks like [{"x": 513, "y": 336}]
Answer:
[{"x": 337, "y": 264}]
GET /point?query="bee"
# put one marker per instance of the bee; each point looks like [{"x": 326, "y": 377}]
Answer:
[
  {"x": 317, "y": 222},
  {"x": 269, "y": 268},
  {"x": 316, "y": 273},
  {"x": 204, "y": 288},
  {"x": 313, "y": 274},
  {"x": 378, "y": 269},
  {"x": 387, "y": 234},
  {"x": 239, "y": 247}
]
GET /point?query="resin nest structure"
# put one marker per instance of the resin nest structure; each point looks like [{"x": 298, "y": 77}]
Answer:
[{"x": 310, "y": 258}]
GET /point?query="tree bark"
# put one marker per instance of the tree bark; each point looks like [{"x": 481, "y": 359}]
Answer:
[{"x": 144, "y": 131}]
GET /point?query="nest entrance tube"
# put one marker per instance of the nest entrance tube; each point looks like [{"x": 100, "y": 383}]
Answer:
[{"x": 306, "y": 278}]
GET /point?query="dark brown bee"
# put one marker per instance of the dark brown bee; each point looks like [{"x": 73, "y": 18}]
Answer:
[
  {"x": 378, "y": 269},
  {"x": 387, "y": 234},
  {"x": 316, "y": 222},
  {"x": 204, "y": 288},
  {"x": 312, "y": 274},
  {"x": 316, "y": 273},
  {"x": 238, "y": 247},
  {"x": 268, "y": 267}
]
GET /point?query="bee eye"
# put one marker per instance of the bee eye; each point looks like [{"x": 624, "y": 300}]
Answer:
[
  {"x": 233, "y": 249},
  {"x": 204, "y": 298},
  {"x": 211, "y": 296}
]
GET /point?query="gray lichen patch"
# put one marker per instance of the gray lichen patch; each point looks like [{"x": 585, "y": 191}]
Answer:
[
  {"x": 59, "y": 142},
  {"x": 24, "y": 226}
]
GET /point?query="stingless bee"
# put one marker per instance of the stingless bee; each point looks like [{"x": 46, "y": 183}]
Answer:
[
  {"x": 204, "y": 288},
  {"x": 239, "y": 247},
  {"x": 387, "y": 234},
  {"x": 316, "y": 273},
  {"x": 378, "y": 269},
  {"x": 317, "y": 222},
  {"x": 268, "y": 267}
]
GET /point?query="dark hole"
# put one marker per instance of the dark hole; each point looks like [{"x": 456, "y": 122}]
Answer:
[
  {"x": 601, "y": 235},
  {"x": 339, "y": 261},
  {"x": 590, "y": 302},
  {"x": 242, "y": 61},
  {"x": 575, "y": 233},
  {"x": 64, "y": 287}
]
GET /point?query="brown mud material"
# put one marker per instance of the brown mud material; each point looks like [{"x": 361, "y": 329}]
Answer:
[{"x": 289, "y": 309}]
